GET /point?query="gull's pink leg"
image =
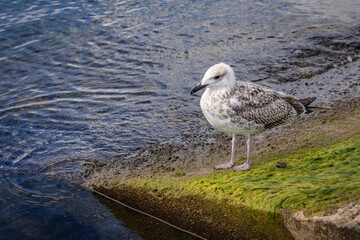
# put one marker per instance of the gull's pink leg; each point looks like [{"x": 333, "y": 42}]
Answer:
[
  {"x": 246, "y": 166},
  {"x": 232, "y": 161}
]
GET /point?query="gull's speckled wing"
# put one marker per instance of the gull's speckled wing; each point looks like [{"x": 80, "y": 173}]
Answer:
[{"x": 262, "y": 105}]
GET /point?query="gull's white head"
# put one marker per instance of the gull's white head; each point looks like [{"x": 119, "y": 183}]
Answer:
[{"x": 217, "y": 77}]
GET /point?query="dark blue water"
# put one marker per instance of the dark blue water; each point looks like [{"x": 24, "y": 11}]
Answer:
[{"x": 95, "y": 80}]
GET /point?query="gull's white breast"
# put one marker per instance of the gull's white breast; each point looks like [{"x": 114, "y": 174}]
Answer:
[{"x": 216, "y": 106}]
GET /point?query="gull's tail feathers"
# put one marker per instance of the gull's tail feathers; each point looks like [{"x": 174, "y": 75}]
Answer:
[{"x": 309, "y": 109}]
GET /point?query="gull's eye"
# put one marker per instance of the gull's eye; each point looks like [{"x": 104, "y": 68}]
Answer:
[{"x": 217, "y": 77}]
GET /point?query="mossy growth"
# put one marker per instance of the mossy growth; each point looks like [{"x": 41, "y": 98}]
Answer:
[
  {"x": 315, "y": 179},
  {"x": 179, "y": 174}
]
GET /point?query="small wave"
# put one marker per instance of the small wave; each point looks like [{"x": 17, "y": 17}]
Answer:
[
  {"x": 42, "y": 104},
  {"x": 25, "y": 44}
]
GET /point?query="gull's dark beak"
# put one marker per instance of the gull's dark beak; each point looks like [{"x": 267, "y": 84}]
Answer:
[{"x": 197, "y": 88}]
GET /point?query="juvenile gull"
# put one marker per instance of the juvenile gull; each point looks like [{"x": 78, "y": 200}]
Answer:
[{"x": 243, "y": 108}]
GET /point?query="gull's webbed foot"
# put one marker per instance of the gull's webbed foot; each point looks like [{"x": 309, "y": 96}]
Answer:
[
  {"x": 224, "y": 166},
  {"x": 243, "y": 167}
]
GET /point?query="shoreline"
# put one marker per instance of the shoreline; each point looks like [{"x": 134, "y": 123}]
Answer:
[
  {"x": 202, "y": 146},
  {"x": 191, "y": 195}
]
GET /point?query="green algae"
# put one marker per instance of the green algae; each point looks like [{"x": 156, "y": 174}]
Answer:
[
  {"x": 314, "y": 179},
  {"x": 250, "y": 205},
  {"x": 212, "y": 219}
]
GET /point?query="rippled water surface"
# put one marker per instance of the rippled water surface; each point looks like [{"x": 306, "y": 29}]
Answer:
[{"x": 95, "y": 80}]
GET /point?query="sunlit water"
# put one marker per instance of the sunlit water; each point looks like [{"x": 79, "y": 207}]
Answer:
[{"x": 95, "y": 80}]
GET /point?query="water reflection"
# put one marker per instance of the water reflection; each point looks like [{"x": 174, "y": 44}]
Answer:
[{"x": 147, "y": 227}]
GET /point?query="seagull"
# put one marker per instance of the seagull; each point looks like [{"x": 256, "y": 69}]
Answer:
[{"x": 243, "y": 108}]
